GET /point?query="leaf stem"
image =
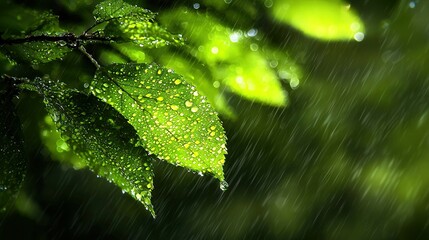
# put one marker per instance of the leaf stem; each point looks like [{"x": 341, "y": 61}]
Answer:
[
  {"x": 95, "y": 25},
  {"x": 89, "y": 56}
]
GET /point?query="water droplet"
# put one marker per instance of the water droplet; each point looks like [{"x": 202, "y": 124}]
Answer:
[
  {"x": 215, "y": 50},
  {"x": 177, "y": 81},
  {"x": 254, "y": 47},
  {"x": 252, "y": 32},
  {"x": 216, "y": 84},
  {"x": 194, "y": 109},
  {"x": 224, "y": 185},
  {"x": 139, "y": 196},
  {"x": 268, "y": 3},
  {"x": 235, "y": 37},
  {"x": 359, "y": 36},
  {"x": 188, "y": 103},
  {"x": 174, "y": 107}
]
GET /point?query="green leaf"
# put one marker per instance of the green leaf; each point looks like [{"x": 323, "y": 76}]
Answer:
[
  {"x": 17, "y": 21},
  {"x": 31, "y": 23},
  {"x": 101, "y": 136},
  {"x": 322, "y": 19},
  {"x": 35, "y": 52},
  {"x": 196, "y": 74},
  {"x": 114, "y": 9},
  {"x": 133, "y": 24},
  {"x": 192, "y": 71},
  {"x": 13, "y": 163},
  {"x": 172, "y": 119},
  {"x": 232, "y": 59}
]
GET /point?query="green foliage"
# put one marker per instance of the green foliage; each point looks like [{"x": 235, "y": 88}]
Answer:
[
  {"x": 228, "y": 56},
  {"x": 100, "y": 136},
  {"x": 35, "y": 52},
  {"x": 31, "y": 23},
  {"x": 150, "y": 110},
  {"x": 129, "y": 114},
  {"x": 133, "y": 23},
  {"x": 171, "y": 118}
]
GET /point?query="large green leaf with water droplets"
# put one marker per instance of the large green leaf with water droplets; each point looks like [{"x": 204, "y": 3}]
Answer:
[
  {"x": 24, "y": 22},
  {"x": 187, "y": 66},
  {"x": 173, "y": 120},
  {"x": 101, "y": 136},
  {"x": 133, "y": 24},
  {"x": 322, "y": 19},
  {"x": 13, "y": 163}
]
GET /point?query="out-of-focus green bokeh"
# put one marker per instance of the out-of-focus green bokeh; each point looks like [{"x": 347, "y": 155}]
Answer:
[{"x": 348, "y": 158}]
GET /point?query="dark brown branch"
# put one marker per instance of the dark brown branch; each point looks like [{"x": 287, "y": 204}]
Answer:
[{"x": 69, "y": 38}]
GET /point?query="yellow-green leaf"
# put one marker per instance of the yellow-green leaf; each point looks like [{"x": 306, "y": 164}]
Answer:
[
  {"x": 321, "y": 19},
  {"x": 232, "y": 59}
]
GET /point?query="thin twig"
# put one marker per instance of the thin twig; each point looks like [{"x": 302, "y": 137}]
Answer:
[
  {"x": 89, "y": 56},
  {"x": 95, "y": 25}
]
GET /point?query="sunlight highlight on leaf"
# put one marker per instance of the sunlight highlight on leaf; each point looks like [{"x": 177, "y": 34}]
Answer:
[
  {"x": 232, "y": 59},
  {"x": 322, "y": 19},
  {"x": 172, "y": 119}
]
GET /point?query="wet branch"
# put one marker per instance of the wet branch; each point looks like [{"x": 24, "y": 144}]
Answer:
[
  {"x": 89, "y": 56},
  {"x": 71, "y": 39}
]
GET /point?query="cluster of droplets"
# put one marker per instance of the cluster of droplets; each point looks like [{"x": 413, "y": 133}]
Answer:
[
  {"x": 145, "y": 33},
  {"x": 114, "y": 9},
  {"x": 172, "y": 119},
  {"x": 36, "y": 52}
]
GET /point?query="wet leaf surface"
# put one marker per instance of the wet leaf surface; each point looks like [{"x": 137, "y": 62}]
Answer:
[
  {"x": 101, "y": 136},
  {"x": 172, "y": 119},
  {"x": 133, "y": 24}
]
